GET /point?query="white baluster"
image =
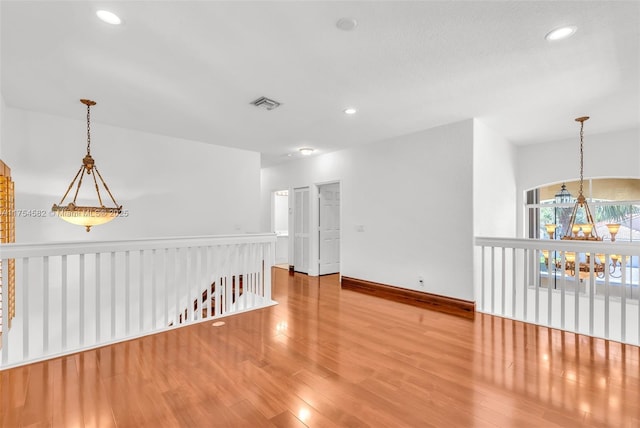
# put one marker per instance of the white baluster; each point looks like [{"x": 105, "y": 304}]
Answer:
[
  {"x": 26, "y": 314},
  {"x": 63, "y": 303},
  {"x": 251, "y": 283},
  {"x": 549, "y": 289},
  {"x": 5, "y": 312},
  {"x": 201, "y": 282},
  {"x": 592, "y": 290},
  {"x": 513, "y": 283},
  {"x": 638, "y": 299},
  {"x": 188, "y": 267},
  {"x": 141, "y": 296},
  {"x": 503, "y": 284},
  {"x": 165, "y": 288},
  {"x": 196, "y": 288},
  {"x": 576, "y": 294},
  {"x": 98, "y": 289},
  {"x": 81, "y": 300},
  {"x": 264, "y": 271},
  {"x": 536, "y": 283},
  {"x": 113, "y": 295},
  {"x": 525, "y": 307},
  {"x": 45, "y": 305},
  {"x": 236, "y": 273},
  {"x": 563, "y": 288},
  {"x": 218, "y": 281},
  {"x": 623, "y": 300},
  {"x": 176, "y": 283},
  {"x": 271, "y": 261},
  {"x": 606, "y": 261},
  {"x": 482, "y": 280},
  {"x": 154, "y": 291},
  {"x": 207, "y": 279},
  {"x": 127, "y": 292}
]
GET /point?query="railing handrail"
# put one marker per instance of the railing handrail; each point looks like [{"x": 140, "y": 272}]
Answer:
[
  {"x": 607, "y": 247},
  {"x": 11, "y": 251},
  {"x": 578, "y": 294},
  {"x": 77, "y": 295}
]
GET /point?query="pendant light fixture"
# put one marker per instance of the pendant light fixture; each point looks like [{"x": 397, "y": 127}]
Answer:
[
  {"x": 87, "y": 216},
  {"x": 585, "y": 231},
  {"x": 582, "y": 231}
]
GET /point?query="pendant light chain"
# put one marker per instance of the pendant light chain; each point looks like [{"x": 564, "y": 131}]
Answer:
[
  {"x": 581, "y": 155},
  {"x": 88, "y": 129}
]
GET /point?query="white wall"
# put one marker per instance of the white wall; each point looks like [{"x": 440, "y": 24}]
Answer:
[
  {"x": 494, "y": 190},
  {"x": 494, "y": 183},
  {"x": 614, "y": 155},
  {"x": 168, "y": 186},
  {"x": 411, "y": 194}
]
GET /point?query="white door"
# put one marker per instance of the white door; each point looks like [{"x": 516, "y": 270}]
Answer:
[
  {"x": 301, "y": 230},
  {"x": 329, "y": 230}
]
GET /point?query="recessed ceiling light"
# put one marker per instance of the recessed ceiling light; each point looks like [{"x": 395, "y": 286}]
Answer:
[
  {"x": 350, "y": 110},
  {"x": 347, "y": 24},
  {"x": 560, "y": 33},
  {"x": 306, "y": 151},
  {"x": 109, "y": 17}
]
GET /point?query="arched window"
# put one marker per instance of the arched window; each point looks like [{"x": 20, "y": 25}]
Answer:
[{"x": 612, "y": 201}]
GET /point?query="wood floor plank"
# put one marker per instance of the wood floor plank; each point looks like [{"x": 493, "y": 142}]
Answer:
[{"x": 327, "y": 357}]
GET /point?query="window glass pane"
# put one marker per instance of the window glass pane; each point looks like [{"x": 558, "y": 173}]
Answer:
[{"x": 612, "y": 201}]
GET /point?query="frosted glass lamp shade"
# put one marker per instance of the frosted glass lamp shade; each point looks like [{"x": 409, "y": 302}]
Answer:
[
  {"x": 613, "y": 230},
  {"x": 86, "y": 216}
]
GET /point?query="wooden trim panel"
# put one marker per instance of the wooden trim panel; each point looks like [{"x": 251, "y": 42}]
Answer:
[{"x": 449, "y": 305}]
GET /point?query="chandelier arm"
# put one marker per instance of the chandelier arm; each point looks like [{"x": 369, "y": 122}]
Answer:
[
  {"x": 105, "y": 186},
  {"x": 97, "y": 189},
  {"x": 71, "y": 185},
  {"x": 612, "y": 270},
  {"x": 572, "y": 221},
  {"x": 79, "y": 185},
  {"x": 587, "y": 210}
]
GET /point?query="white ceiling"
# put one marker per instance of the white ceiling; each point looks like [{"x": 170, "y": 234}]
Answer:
[{"x": 190, "y": 69}]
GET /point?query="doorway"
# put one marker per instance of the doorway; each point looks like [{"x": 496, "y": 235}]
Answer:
[
  {"x": 301, "y": 230},
  {"x": 280, "y": 225},
  {"x": 329, "y": 228}
]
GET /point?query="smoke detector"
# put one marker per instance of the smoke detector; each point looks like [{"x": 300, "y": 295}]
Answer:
[{"x": 265, "y": 102}]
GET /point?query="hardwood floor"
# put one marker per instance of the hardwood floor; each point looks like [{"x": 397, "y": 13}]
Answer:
[{"x": 326, "y": 357}]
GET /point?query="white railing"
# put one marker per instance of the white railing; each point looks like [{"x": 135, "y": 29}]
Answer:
[
  {"x": 585, "y": 287},
  {"x": 77, "y": 296}
]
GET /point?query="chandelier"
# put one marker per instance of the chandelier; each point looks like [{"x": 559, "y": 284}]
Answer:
[
  {"x": 87, "y": 216},
  {"x": 583, "y": 263},
  {"x": 585, "y": 231}
]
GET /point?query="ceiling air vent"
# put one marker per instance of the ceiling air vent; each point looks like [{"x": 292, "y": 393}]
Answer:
[{"x": 265, "y": 102}]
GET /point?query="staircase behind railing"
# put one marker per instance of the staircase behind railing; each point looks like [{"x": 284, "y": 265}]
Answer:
[{"x": 76, "y": 296}]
